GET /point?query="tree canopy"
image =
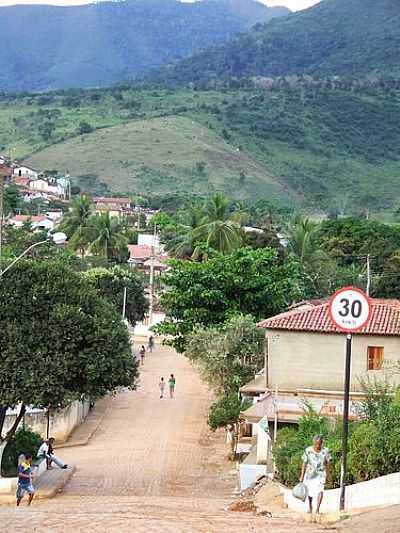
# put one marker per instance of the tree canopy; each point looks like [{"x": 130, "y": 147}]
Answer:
[
  {"x": 111, "y": 283},
  {"x": 247, "y": 281},
  {"x": 59, "y": 339}
]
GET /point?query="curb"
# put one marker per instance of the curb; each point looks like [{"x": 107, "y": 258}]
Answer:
[
  {"x": 50, "y": 492},
  {"x": 58, "y": 486},
  {"x": 84, "y": 441}
]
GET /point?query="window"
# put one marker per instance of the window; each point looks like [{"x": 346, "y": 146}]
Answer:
[{"x": 375, "y": 357}]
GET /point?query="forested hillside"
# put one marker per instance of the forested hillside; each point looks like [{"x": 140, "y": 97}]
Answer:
[
  {"x": 350, "y": 38},
  {"x": 321, "y": 148},
  {"x": 46, "y": 47}
]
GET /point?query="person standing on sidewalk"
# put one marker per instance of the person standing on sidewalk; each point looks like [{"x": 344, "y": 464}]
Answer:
[
  {"x": 162, "y": 387},
  {"x": 171, "y": 383},
  {"x": 25, "y": 484}
]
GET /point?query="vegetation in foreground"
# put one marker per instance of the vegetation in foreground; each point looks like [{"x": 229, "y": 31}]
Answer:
[{"x": 374, "y": 443}]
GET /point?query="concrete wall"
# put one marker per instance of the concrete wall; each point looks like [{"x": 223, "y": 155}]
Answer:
[
  {"x": 248, "y": 474},
  {"x": 316, "y": 361},
  {"x": 62, "y": 423},
  {"x": 383, "y": 490}
]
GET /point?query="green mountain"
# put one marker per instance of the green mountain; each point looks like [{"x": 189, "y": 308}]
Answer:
[
  {"x": 317, "y": 146},
  {"x": 46, "y": 47},
  {"x": 349, "y": 38}
]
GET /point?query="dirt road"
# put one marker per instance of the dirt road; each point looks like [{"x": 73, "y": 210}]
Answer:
[{"x": 151, "y": 466}]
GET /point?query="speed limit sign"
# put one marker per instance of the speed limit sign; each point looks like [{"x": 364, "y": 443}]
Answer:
[{"x": 350, "y": 309}]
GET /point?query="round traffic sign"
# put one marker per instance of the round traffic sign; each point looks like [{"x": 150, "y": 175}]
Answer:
[{"x": 350, "y": 309}]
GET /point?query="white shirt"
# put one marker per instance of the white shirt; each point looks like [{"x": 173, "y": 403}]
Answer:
[{"x": 43, "y": 450}]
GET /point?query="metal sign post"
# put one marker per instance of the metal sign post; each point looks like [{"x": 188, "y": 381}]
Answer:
[{"x": 350, "y": 311}]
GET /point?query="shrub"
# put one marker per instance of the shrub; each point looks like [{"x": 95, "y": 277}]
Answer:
[
  {"x": 226, "y": 410},
  {"x": 24, "y": 441},
  {"x": 291, "y": 443}
]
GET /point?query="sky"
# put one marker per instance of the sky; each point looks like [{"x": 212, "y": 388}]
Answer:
[{"x": 294, "y": 5}]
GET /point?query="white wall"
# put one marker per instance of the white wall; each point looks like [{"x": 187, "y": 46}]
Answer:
[
  {"x": 249, "y": 473},
  {"x": 316, "y": 361},
  {"x": 62, "y": 423},
  {"x": 383, "y": 490}
]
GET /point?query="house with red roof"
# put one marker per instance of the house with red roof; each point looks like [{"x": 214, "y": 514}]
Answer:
[
  {"x": 304, "y": 358},
  {"x": 304, "y": 363}
]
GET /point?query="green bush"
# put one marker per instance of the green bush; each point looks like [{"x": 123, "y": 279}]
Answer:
[
  {"x": 291, "y": 443},
  {"x": 226, "y": 410},
  {"x": 375, "y": 445},
  {"x": 24, "y": 441}
]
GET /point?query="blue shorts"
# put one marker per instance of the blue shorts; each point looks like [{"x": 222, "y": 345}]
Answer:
[{"x": 21, "y": 489}]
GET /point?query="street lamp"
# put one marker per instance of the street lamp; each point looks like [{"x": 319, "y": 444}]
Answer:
[{"x": 58, "y": 238}]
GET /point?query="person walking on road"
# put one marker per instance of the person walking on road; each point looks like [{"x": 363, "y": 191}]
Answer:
[
  {"x": 171, "y": 383},
  {"x": 25, "y": 484},
  {"x": 316, "y": 460},
  {"x": 142, "y": 353},
  {"x": 162, "y": 387},
  {"x": 151, "y": 344}
]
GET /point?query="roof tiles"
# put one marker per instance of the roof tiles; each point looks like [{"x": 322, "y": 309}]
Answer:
[{"x": 385, "y": 319}]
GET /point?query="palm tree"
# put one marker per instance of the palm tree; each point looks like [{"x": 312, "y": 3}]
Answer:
[
  {"x": 301, "y": 234},
  {"x": 316, "y": 265},
  {"x": 75, "y": 223},
  {"x": 107, "y": 236},
  {"x": 218, "y": 228},
  {"x": 183, "y": 243}
]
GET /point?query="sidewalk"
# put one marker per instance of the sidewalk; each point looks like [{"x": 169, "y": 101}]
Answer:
[
  {"x": 52, "y": 481},
  {"x": 83, "y": 433},
  {"x": 48, "y": 484}
]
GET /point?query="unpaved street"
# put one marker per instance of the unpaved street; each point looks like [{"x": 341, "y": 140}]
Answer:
[{"x": 151, "y": 466}]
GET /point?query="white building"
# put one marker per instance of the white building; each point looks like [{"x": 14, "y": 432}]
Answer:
[
  {"x": 26, "y": 172},
  {"x": 38, "y": 222}
]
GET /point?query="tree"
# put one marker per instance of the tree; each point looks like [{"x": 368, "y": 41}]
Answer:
[
  {"x": 229, "y": 355},
  {"x": 316, "y": 266},
  {"x": 111, "y": 283},
  {"x": 248, "y": 281},
  {"x": 75, "y": 223},
  {"x": 84, "y": 127},
  {"x": 218, "y": 229},
  {"x": 12, "y": 199},
  {"x": 59, "y": 341},
  {"x": 107, "y": 238}
]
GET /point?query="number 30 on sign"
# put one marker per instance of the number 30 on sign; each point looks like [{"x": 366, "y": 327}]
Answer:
[{"x": 350, "y": 309}]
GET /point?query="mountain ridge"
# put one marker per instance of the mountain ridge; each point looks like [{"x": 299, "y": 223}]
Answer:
[
  {"x": 96, "y": 45},
  {"x": 351, "y": 38}
]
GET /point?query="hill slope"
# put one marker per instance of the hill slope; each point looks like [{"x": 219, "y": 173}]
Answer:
[
  {"x": 335, "y": 37},
  {"x": 160, "y": 155},
  {"x": 47, "y": 47},
  {"x": 319, "y": 148}
]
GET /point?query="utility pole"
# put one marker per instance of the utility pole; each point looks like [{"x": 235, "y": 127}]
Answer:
[
  {"x": 368, "y": 275},
  {"x": 151, "y": 284},
  {"x": 124, "y": 304}
]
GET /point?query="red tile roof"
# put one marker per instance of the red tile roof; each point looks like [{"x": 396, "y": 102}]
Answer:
[
  {"x": 312, "y": 317},
  {"x": 25, "y": 218},
  {"x": 139, "y": 251},
  {"x": 109, "y": 200}
]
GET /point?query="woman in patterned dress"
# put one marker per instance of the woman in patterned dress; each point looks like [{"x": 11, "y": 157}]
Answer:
[{"x": 316, "y": 459}]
